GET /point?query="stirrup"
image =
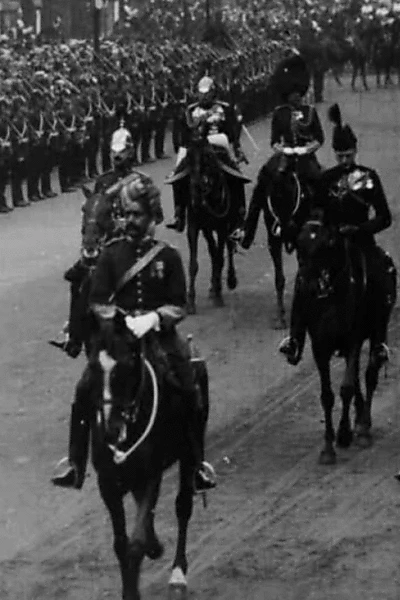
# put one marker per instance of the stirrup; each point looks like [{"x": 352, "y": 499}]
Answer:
[{"x": 206, "y": 473}]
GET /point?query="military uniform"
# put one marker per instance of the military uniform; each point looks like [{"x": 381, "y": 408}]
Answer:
[
  {"x": 218, "y": 118},
  {"x": 347, "y": 195}
]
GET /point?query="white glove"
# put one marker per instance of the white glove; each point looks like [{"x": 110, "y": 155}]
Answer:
[
  {"x": 300, "y": 150},
  {"x": 143, "y": 323},
  {"x": 288, "y": 151}
]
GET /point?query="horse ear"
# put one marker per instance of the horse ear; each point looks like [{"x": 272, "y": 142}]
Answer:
[{"x": 86, "y": 191}]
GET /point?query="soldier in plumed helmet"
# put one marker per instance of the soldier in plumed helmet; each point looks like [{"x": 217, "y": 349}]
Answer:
[{"x": 351, "y": 197}]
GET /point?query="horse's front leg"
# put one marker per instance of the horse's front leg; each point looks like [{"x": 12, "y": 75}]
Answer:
[
  {"x": 113, "y": 500},
  {"x": 363, "y": 429},
  {"x": 216, "y": 269},
  {"x": 143, "y": 540},
  {"x": 328, "y": 454},
  {"x": 363, "y": 73},
  {"x": 232, "y": 278},
  {"x": 193, "y": 238},
  {"x": 183, "y": 509},
  {"x": 275, "y": 248},
  {"x": 347, "y": 391}
]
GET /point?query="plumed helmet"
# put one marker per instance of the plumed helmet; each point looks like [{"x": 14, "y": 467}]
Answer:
[
  {"x": 205, "y": 85},
  {"x": 343, "y": 137},
  {"x": 291, "y": 75},
  {"x": 138, "y": 187},
  {"x": 121, "y": 145}
]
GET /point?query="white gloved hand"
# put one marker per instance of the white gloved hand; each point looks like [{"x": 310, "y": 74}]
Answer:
[
  {"x": 288, "y": 151},
  {"x": 300, "y": 150},
  {"x": 143, "y": 323}
]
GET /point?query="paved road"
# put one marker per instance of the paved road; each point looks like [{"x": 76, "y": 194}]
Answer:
[{"x": 239, "y": 341}]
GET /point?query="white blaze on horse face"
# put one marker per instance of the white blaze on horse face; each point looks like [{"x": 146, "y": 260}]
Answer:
[{"x": 107, "y": 363}]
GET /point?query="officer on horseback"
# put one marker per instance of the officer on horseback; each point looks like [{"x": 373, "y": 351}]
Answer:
[
  {"x": 122, "y": 156},
  {"x": 346, "y": 195},
  {"x": 222, "y": 127},
  {"x": 296, "y": 135},
  {"x": 155, "y": 300}
]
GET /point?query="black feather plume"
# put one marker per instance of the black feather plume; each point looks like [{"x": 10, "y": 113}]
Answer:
[{"x": 334, "y": 115}]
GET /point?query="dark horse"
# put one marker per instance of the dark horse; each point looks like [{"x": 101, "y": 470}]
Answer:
[
  {"x": 139, "y": 429},
  {"x": 285, "y": 203},
  {"x": 98, "y": 224},
  {"x": 339, "y": 317},
  {"x": 210, "y": 210}
]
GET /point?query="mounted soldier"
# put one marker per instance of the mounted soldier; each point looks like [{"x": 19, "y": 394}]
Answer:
[
  {"x": 296, "y": 135},
  {"x": 145, "y": 280},
  {"x": 221, "y": 126},
  {"x": 106, "y": 186},
  {"x": 347, "y": 194}
]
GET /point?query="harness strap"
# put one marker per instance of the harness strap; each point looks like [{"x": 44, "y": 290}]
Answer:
[{"x": 137, "y": 268}]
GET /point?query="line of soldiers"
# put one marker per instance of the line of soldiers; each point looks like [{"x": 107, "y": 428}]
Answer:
[{"x": 59, "y": 105}]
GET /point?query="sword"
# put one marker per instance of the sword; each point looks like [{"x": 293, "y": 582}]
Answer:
[{"x": 247, "y": 132}]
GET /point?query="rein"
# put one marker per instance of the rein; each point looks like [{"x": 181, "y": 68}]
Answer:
[
  {"x": 120, "y": 456},
  {"x": 276, "y": 229}
]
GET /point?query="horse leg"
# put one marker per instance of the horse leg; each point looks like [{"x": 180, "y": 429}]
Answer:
[
  {"x": 193, "y": 238},
  {"x": 143, "y": 540},
  {"x": 354, "y": 76},
  {"x": 328, "y": 454},
  {"x": 363, "y": 74},
  {"x": 219, "y": 265},
  {"x": 183, "y": 510},
  {"x": 113, "y": 500},
  {"x": 212, "y": 251},
  {"x": 232, "y": 278},
  {"x": 364, "y": 438},
  {"x": 275, "y": 249},
  {"x": 347, "y": 391}
]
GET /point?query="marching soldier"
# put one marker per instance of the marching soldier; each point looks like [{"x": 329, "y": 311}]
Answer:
[
  {"x": 5, "y": 152},
  {"x": 20, "y": 150}
]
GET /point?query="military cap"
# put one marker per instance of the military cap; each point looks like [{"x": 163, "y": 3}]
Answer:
[{"x": 290, "y": 75}]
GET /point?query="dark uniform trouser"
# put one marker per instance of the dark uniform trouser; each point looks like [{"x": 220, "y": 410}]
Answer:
[
  {"x": 381, "y": 281},
  {"x": 4, "y": 175},
  {"x": 159, "y": 136},
  {"x": 17, "y": 177}
]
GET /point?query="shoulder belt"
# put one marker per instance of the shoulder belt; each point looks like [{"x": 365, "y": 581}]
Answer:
[{"x": 138, "y": 267}]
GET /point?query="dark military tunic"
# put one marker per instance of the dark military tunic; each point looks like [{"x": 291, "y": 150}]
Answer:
[
  {"x": 159, "y": 286},
  {"x": 348, "y": 196},
  {"x": 296, "y": 126}
]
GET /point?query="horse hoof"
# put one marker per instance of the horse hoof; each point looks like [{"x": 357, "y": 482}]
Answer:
[
  {"x": 232, "y": 282},
  {"x": 327, "y": 457},
  {"x": 344, "y": 439},
  {"x": 177, "y": 592},
  {"x": 364, "y": 440},
  {"x": 177, "y": 587},
  {"x": 218, "y": 301},
  {"x": 155, "y": 549}
]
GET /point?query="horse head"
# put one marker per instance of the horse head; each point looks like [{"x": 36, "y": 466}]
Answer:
[
  {"x": 97, "y": 222},
  {"x": 121, "y": 375}
]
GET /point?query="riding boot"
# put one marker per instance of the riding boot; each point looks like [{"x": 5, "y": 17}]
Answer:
[
  {"x": 293, "y": 345},
  {"x": 240, "y": 211},
  {"x": 74, "y": 474},
  {"x": 204, "y": 477},
  {"x": 179, "y": 220},
  {"x": 251, "y": 222}
]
